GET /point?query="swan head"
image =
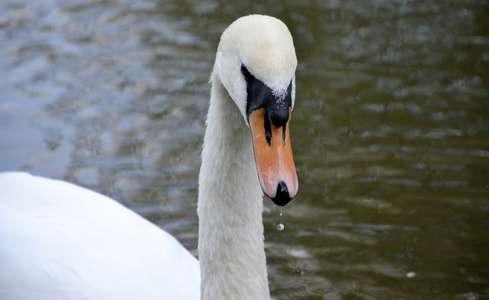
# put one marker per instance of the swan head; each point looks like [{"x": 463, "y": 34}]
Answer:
[{"x": 256, "y": 64}]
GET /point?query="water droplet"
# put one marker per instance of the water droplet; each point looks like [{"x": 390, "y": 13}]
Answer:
[{"x": 280, "y": 226}]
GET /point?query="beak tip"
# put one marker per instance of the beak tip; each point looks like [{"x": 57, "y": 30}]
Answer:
[{"x": 282, "y": 197}]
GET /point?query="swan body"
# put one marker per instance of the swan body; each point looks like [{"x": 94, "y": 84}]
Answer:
[
  {"x": 61, "y": 241},
  {"x": 68, "y": 242}
]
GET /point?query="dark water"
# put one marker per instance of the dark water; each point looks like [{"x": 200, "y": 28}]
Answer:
[{"x": 390, "y": 130}]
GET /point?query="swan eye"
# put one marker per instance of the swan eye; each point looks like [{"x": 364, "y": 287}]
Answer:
[{"x": 245, "y": 71}]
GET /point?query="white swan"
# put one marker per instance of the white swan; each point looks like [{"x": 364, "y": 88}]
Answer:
[{"x": 61, "y": 241}]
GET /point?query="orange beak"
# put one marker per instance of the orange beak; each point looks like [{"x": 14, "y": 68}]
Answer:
[{"x": 273, "y": 156}]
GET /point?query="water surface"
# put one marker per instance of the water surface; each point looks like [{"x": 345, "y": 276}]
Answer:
[{"x": 390, "y": 130}]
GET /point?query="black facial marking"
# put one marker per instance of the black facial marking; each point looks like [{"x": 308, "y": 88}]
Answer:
[
  {"x": 268, "y": 130},
  {"x": 261, "y": 96},
  {"x": 283, "y": 132},
  {"x": 245, "y": 72}
]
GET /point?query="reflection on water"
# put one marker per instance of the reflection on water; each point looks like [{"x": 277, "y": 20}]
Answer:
[{"x": 390, "y": 130}]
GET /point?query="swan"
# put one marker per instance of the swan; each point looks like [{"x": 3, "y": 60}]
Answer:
[{"x": 62, "y": 241}]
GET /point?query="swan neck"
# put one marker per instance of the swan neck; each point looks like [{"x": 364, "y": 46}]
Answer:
[{"x": 230, "y": 206}]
